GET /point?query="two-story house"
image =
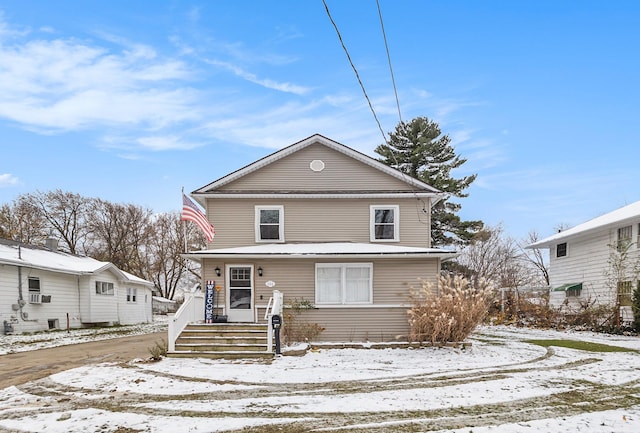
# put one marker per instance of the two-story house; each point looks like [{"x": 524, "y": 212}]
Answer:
[
  {"x": 597, "y": 261},
  {"x": 324, "y": 223}
]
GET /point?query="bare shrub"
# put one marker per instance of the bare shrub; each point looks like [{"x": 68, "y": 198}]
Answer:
[
  {"x": 448, "y": 312},
  {"x": 296, "y": 329},
  {"x": 158, "y": 350}
]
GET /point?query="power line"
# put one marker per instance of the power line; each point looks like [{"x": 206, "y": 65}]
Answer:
[
  {"x": 386, "y": 46},
  {"x": 335, "y": 26}
]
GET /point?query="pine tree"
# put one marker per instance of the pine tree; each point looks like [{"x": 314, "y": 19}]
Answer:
[{"x": 419, "y": 149}]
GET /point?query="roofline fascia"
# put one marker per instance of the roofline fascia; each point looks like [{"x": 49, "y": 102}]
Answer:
[
  {"x": 409, "y": 194},
  {"x": 196, "y": 256}
]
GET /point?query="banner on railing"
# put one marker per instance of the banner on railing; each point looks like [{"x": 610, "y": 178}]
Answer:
[{"x": 209, "y": 298}]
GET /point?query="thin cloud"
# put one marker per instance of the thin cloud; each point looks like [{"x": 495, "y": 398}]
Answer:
[
  {"x": 60, "y": 85},
  {"x": 264, "y": 82},
  {"x": 7, "y": 180}
]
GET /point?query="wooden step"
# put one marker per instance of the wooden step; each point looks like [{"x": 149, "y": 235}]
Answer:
[
  {"x": 223, "y": 340},
  {"x": 238, "y": 354}
]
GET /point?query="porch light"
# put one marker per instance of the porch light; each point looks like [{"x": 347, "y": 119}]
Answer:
[
  {"x": 260, "y": 271},
  {"x": 217, "y": 271}
]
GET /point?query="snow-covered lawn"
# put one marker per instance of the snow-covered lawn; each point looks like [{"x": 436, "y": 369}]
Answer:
[
  {"x": 42, "y": 340},
  {"x": 500, "y": 384}
]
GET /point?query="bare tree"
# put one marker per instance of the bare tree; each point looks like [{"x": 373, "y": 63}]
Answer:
[
  {"x": 497, "y": 259},
  {"x": 21, "y": 222},
  {"x": 119, "y": 234},
  {"x": 535, "y": 256},
  {"x": 167, "y": 268},
  {"x": 65, "y": 214}
]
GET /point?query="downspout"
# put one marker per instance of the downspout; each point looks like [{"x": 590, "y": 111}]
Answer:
[{"x": 21, "y": 301}]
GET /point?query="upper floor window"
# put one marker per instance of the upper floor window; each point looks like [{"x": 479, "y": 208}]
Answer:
[
  {"x": 131, "y": 294},
  {"x": 624, "y": 237},
  {"x": 269, "y": 224},
  {"x": 344, "y": 283},
  {"x": 385, "y": 223},
  {"x": 561, "y": 250},
  {"x": 104, "y": 288}
]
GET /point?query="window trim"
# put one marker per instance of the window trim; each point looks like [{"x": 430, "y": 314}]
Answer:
[
  {"x": 132, "y": 293},
  {"x": 280, "y": 209},
  {"x": 34, "y": 290},
  {"x": 105, "y": 288},
  {"x": 566, "y": 250},
  {"x": 396, "y": 222},
  {"x": 343, "y": 267},
  {"x": 624, "y": 243}
]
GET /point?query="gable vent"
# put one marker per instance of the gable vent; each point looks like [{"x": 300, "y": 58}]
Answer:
[{"x": 316, "y": 165}]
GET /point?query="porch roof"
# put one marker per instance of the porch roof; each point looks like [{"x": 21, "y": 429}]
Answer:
[{"x": 322, "y": 249}]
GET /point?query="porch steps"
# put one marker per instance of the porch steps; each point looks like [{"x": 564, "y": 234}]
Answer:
[{"x": 222, "y": 341}]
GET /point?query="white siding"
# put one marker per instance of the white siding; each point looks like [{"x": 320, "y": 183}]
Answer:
[
  {"x": 587, "y": 262},
  {"x": 63, "y": 289},
  {"x": 130, "y": 312}
]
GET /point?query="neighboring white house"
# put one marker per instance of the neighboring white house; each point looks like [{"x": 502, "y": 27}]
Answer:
[
  {"x": 42, "y": 288},
  {"x": 596, "y": 261}
]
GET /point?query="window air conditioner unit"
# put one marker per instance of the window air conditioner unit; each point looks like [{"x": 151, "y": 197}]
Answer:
[{"x": 34, "y": 298}]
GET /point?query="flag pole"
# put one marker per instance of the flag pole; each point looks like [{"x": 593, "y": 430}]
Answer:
[{"x": 184, "y": 225}]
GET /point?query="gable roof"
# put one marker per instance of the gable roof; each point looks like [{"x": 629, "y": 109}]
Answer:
[
  {"x": 617, "y": 217},
  {"x": 415, "y": 184},
  {"x": 30, "y": 256}
]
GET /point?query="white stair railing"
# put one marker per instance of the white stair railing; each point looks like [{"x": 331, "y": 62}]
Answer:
[
  {"x": 274, "y": 307},
  {"x": 191, "y": 310}
]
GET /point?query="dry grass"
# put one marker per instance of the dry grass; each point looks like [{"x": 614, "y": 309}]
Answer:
[{"x": 448, "y": 312}]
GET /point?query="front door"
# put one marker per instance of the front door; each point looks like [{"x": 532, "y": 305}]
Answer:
[{"x": 239, "y": 297}]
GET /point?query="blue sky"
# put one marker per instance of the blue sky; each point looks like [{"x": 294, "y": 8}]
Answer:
[{"x": 131, "y": 101}]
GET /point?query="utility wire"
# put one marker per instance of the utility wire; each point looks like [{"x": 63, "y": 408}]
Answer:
[
  {"x": 386, "y": 46},
  {"x": 373, "y": 111},
  {"x": 335, "y": 26}
]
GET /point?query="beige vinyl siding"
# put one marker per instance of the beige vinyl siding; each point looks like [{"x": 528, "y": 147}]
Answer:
[
  {"x": 316, "y": 220},
  {"x": 385, "y": 319},
  {"x": 341, "y": 173}
]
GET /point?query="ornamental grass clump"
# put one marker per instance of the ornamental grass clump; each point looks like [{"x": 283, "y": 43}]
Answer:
[{"x": 448, "y": 312}]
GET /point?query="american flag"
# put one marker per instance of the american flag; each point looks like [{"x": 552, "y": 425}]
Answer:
[{"x": 191, "y": 212}]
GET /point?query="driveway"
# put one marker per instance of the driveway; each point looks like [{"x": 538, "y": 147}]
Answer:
[{"x": 23, "y": 367}]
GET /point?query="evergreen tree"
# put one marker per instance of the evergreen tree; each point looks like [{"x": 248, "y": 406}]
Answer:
[{"x": 419, "y": 149}]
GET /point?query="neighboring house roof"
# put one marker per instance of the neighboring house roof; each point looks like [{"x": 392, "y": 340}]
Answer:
[
  {"x": 418, "y": 186},
  {"x": 19, "y": 254},
  {"x": 617, "y": 217},
  {"x": 328, "y": 249}
]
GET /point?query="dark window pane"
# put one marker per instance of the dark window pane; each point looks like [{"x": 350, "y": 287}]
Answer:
[
  {"x": 240, "y": 299},
  {"x": 269, "y": 216},
  {"x": 269, "y": 232}
]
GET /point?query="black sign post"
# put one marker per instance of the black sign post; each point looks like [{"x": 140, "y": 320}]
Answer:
[{"x": 276, "y": 322}]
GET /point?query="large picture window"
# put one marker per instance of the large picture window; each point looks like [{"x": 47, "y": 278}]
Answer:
[
  {"x": 344, "y": 283},
  {"x": 269, "y": 224},
  {"x": 385, "y": 223}
]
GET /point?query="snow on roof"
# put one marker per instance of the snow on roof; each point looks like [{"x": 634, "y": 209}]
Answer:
[
  {"x": 323, "y": 249},
  {"x": 608, "y": 219},
  {"x": 13, "y": 253}
]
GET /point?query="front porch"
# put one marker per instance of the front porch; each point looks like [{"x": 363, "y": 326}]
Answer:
[{"x": 190, "y": 336}]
